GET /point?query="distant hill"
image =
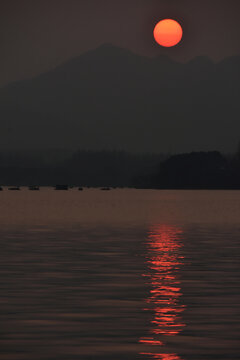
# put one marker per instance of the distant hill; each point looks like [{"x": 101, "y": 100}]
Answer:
[
  {"x": 196, "y": 170},
  {"x": 82, "y": 168},
  {"x": 110, "y": 98}
]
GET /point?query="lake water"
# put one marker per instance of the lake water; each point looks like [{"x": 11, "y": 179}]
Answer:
[{"x": 124, "y": 274}]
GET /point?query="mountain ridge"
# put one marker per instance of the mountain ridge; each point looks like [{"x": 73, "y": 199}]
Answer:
[
  {"x": 114, "y": 99},
  {"x": 109, "y": 47}
]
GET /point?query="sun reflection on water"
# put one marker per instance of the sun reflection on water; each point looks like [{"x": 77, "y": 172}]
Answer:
[
  {"x": 164, "y": 261},
  {"x": 162, "y": 356}
]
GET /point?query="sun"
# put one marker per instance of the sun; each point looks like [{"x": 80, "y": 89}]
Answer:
[{"x": 168, "y": 33}]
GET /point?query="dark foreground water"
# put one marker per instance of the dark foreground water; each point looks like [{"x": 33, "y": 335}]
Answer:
[{"x": 125, "y": 274}]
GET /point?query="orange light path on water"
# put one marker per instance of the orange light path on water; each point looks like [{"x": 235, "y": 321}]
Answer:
[
  {"x": 162, "y": 356},
  {"x": 164, "y": 261}
]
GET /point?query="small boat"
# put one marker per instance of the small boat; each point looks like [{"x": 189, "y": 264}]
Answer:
[
  {"x": 33, "y": 188},
  {"x": 80, "y": 189},
  {"x": 14, "y": 188},
  {"x": 105, "y": 189},
  {"x": 61, "y": 187}
]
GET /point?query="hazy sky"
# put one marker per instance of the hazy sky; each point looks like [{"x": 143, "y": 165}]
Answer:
[{"x": 37, "y": 35}]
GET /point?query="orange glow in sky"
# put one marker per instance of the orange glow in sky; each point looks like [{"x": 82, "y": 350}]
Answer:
[{"x": 168, "y": 33}]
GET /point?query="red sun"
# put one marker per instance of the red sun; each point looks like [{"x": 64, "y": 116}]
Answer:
[{"x": 168, "y": 33}]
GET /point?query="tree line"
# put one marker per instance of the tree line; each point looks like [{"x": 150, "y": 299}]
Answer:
[{"x": 195, "y": 170}]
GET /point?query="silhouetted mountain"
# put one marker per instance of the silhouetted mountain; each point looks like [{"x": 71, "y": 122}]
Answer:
[{"x": 110, "y": 98}]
